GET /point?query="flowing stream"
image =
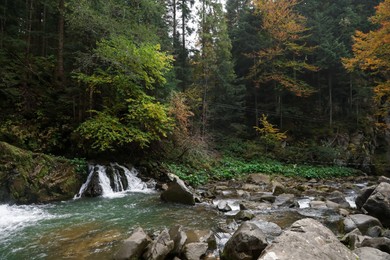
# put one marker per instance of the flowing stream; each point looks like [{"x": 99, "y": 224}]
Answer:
[
  {"x": 94, "y": 228},
  {"x": 91, "y": 228}
]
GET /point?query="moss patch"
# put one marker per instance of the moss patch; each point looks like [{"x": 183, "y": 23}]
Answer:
[{"x": 27, "y": 177}]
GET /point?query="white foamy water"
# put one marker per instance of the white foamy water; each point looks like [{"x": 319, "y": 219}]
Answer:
[
  {"x": 304, "y": 202},
  {"x": 116, "y": 189},
  {"x": 14, "y": 218},
  {"x": 351, "y": 200}
]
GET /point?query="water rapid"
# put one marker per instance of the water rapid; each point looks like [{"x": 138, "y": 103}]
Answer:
[
  {"x": 93, "y": 228},
  {"x": 113, "y": 180}
]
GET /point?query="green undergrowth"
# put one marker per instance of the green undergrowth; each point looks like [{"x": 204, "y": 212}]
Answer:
[{"x": 228, "y": 168}]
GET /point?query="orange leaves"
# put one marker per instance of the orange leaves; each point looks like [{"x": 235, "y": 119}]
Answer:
[
  {"x": 372, "y": 54},
  {"x": 285, "y": 56},
  {"x": 280, "y": 19}
]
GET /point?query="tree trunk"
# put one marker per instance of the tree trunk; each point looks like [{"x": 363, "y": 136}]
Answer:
[
  {"x": 183, "y": 32},
  {"x": 280, "y": 110},
  {"x": 24, "y": 85},
  {"x": 3, "y": 23},
  {"x": 330, "y": 98},
  {"x": 60, "y": 54},
  {"x": 44, "y": 40},
  {"x": 350, "y": 94},
  {"x": 257, "y": 116},
  {"x": 174, "y": 24}
]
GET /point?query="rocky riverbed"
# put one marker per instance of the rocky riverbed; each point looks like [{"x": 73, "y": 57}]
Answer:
[{"x": 273, "y": 217}]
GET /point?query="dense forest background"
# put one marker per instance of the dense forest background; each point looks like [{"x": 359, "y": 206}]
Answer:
[{"x": 297, "y": 81}]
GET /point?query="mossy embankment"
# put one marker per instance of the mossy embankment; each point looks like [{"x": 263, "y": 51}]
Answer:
[{"x": 27, "y": 177}]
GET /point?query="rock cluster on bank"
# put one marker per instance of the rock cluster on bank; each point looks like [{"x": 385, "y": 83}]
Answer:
[
  {"x": 358, "y": 233},
  {"x": 174, "y": 243}
]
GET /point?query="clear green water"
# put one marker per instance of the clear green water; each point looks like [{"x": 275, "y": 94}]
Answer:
[{"x": 90, "y": 228}]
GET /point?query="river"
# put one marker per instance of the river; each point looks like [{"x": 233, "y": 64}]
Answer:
[{"x": 90, "y": 228}]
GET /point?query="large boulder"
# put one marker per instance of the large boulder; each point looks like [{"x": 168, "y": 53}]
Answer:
[
  {"x": 353, "y": 239},
  {"x": 246, "y": 243},
  {"x": 201, "y": 236},
  {"x": 195, "y": 251},
  {"x": 360, "y": 221},
  {"x": 160, "y": 247},
  {"x": 363, "y": 196},
  {"x": 381, "y": 243},
  {"x": 134, "y": 246},
  {"x": 27, "y": 177},
  {"x": 94, "y": 188},
  {"x": 179, "y": 237},
  {"x": 378, "y": 203},
  {"x": 284, "y": 200},
  {"x": 271, "y": 230},
  {"x": 178, "y": 192},
  {"x": 371, "y": 253},
  {"x": 307, "y": 239}
]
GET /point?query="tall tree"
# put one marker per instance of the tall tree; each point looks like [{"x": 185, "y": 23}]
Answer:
[
  {"x": 372, "y": 54},
  {"x": 332, "y": 23},
  {"x": 222, "y": 98},
  {"x": 280, "y": 62}
]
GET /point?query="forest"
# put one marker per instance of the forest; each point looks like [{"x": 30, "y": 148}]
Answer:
[{"x": 199, "y": 85}]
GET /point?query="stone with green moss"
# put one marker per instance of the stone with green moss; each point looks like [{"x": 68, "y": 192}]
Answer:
[{"x": 27, "y": 177}]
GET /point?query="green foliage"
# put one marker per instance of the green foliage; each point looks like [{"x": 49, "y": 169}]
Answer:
[
  {"x": 229, "y": 168},
  {"x": 143, "y": 123},
  {"x": 188, "y": 174},
  {"x": 81, "y": 166},
  {"x": 270, "y": 135},
  {"x": 130, "y": 116}
]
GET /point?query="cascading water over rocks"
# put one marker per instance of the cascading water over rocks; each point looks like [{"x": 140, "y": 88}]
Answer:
[{"x": 108, "y": 180}]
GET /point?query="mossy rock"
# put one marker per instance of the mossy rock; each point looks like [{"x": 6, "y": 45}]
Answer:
[{"x": 27, "y": 177}]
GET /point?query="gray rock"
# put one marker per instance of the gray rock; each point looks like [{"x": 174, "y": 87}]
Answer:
[
  {"x": 251, "y": 187},
  {"x": 277, "y": 188},
  {"x": 159, "y": 248},
  {"x": 353, "y": 239},
  {"x": 344, "y": 212},
  {"x": 243, "y": 194},
  {"x": 363, "y": 196},
  {"x": 271, "y": 230},
  {"x": 360, "y": 221},
  {"x": 244, "y": 215},
  {"x": 384, "y": 179},
  {"x": 194, "y": 251},
  {"x": 339, "y": 198},
  {"x": 317, "y": 204},
  {"x": 94, "y": 188},
  {"x": 378, "y": 204},
  {"x": 386, "y": 233},
  {"x": 201, "y": 236},
  {"x": 179, "y": 237},
  {"x": 268, "y": 198},
  {"x": 374, "y": 231},
  {"x": 178, "y": 192},
  {"x": 259, "y": 179},
  {"x": 223, "y": 206},
  {"x": 246, "y": 243},
  {"x": 370, "y": 253},
  {"x": 133, "y": 246},
  {"x": 332, "y": 205},
  {"x": 284, "y": 200},
  {"x": 307, "y": 239},
  {"x": 381, "y": 243}
]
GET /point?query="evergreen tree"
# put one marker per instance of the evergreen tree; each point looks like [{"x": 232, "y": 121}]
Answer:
[
  {"x": 281, "y": 62},
  {"x": 222, "y": 98}
]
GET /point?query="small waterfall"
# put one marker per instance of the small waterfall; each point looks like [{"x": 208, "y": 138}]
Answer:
[{"x": 111, "y": 181}]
